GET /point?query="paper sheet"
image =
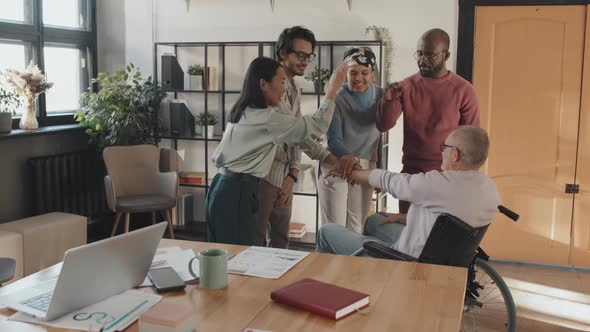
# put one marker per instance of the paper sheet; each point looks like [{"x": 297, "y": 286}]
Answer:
[
  {"x": 114, "y": 314},
  {"x": 175, "y": 258},
  {"x": 270, "y": 263}
]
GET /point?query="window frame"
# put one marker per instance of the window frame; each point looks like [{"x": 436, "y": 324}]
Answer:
[{"x": 38, "y": 36}]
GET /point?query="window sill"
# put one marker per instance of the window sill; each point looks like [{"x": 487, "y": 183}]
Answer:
[{"x": 41, "y": 131}]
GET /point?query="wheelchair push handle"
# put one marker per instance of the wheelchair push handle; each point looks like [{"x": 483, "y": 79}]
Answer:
[{"x": 508, "y": 213}]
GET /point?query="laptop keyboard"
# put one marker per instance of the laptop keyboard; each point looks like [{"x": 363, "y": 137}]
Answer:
[{"x": 40, "y": 302}]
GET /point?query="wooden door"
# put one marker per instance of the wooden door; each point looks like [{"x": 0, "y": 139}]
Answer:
[
  {"x": 527, "y": 72},
  {"x": 580, "y": 246}
]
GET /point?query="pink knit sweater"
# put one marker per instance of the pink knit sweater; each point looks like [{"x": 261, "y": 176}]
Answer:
[{"x": 432, "y": 107}]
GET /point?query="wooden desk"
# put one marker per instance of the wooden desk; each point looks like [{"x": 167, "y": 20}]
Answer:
[{"x": 403, "y": 297}]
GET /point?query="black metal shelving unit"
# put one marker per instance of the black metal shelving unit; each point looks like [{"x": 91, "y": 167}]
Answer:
[{"x": 223, "y": 47}]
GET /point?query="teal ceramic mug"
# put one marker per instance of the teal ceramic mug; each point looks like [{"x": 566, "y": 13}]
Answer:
[{"x": 212, "y": 268}]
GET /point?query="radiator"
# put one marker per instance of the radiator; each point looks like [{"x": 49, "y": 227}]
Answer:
[{"x": 71, "y": 182}]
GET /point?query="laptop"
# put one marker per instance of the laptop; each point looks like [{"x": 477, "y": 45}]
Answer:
[{"x": 90, "y": 274}]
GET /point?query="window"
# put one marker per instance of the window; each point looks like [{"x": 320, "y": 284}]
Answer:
[
  {"x": 60, "y": 37},
  {"x": 65, "y": 13},
  {"x": 62, "y": 67},
  {"x": 14, "y": 54},
  {"x": 16, "y": 11}
]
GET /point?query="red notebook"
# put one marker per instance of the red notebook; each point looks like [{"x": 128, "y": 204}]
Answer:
[{"x": 320, "y": 298}]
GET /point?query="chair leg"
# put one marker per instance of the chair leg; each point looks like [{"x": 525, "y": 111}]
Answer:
[
  {"x": 153, "y": 217},
  {"x": 127, "y": 218},
  {"x": 117, "y": 219},
  {"x": 169, "y": 217}
]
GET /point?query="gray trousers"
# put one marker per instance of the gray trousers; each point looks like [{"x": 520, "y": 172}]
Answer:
[{"x": 274, "y": 219}]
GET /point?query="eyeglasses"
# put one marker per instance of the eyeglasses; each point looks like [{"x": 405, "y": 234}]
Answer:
[
  {"x": 443, "y": 146},
  {"x": 301, "y": 56},
  {"x": 427, "y": 55}
]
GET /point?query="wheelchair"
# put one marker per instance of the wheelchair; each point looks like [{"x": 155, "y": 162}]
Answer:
[{"x": 488, "y": 304}]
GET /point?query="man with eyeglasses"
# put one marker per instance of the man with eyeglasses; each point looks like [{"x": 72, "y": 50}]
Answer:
[
  {"x": 459, "y": 189},
  {"x": 434, "y": 101},
  {"x": 295, "y": 51}
]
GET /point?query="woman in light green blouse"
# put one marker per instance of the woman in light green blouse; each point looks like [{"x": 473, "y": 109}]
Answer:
[{"x": 249, "y": 144}]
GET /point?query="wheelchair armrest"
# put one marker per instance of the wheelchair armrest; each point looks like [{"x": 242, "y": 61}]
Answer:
[{"x": 379, "y": 250}]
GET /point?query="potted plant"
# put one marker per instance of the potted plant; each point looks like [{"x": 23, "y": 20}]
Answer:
[
  {"x": 209, "y": 120},
  {"x": 123, "y": 111},
  {"x": 319, "y": 77},
  {"x": 382, "y": 34},
  {"x": 9, "y": 102},
  {"x": 29, "y": 83},
  {"x": 195, "y": 73}
]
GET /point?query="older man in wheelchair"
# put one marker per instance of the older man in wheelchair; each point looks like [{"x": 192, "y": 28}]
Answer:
[{"x": 459, "y": 191}]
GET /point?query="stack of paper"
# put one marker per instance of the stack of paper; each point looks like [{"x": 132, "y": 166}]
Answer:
[
  {"x": 113, "y": 314},
  {"x": 175, "y": 258}
]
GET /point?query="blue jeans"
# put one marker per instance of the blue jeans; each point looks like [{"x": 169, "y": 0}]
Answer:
[{"x": 337, "y": 239}]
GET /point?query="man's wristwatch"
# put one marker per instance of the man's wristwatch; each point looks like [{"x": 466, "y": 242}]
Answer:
[{"x": 292, "y": 177}]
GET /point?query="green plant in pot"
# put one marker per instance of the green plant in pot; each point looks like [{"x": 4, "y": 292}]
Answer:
[
  {"x": 9, "y": 102},
  {"x": 383, "y": 34},
  {"x": 207, "y": 120},
  {"x": 319, "y": 77},
  {"x": 123, "y": 111},
  {"x": 196, "y": 74}
]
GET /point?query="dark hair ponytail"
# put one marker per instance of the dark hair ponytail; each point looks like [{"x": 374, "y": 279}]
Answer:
[{"x": 251, "y": 95}]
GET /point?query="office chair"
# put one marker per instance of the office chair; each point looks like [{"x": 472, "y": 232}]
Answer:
[
  {"x": 451, "y": 242},
  {"x": 7, "y": 269},
  {"x": 135, "y": 184}
]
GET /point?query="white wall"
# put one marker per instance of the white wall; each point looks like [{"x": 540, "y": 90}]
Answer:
[
  {"x": 235, "y": 20},
  {"x": 240, "y": 20}
]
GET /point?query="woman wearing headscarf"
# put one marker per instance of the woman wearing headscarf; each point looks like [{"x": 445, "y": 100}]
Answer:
[{"x": 353, "y": 137}]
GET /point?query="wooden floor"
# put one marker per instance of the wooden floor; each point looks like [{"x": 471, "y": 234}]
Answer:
[{"x": 548, "y": 299}]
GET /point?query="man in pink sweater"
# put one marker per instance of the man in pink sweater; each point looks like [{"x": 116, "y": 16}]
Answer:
[{"x": 435, "y": 101}]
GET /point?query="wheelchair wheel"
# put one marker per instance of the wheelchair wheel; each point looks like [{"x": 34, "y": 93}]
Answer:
[{"x": 488, "y": 303}]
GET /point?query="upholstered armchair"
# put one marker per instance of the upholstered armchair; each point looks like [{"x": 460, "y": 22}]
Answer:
[{"x": 135, "y": 184}]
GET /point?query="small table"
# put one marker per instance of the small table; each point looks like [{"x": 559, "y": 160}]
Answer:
[{"x": 403, "y": 296}]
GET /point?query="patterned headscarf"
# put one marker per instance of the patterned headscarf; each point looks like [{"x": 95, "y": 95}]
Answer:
[{"x": 363, "y": 56}]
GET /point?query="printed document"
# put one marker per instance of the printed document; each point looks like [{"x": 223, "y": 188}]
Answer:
[
  {"x": 113, "y": 314},
  {"x": 262, "y": 262}
]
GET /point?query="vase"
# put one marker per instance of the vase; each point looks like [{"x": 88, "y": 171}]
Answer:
[
  {"x": 319, "y": 88},
  {"x": 210, "y": 130},
  {"x": 196, "y": 82},
  {"x": 28, "y": 121},
  {"x": 5, "y": 122}
]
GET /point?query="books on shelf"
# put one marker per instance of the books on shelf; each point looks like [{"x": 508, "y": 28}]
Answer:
[
  {"x": 297, "y": 230},
  {"x": 212, "y": 81},
  {"x": 187, "y": 177},
  {"x": 321, "y": 298}
]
